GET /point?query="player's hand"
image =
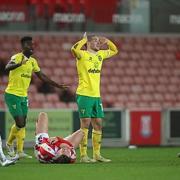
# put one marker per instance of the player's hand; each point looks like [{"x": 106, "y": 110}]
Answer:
[
  {"x": 85, "y": 36},
  {"x": 103, "y": 40}
]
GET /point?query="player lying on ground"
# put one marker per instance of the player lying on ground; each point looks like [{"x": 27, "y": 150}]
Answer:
[{"x": 55, "y": 149}]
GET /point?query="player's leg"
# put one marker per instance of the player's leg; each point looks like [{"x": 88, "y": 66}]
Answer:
[
  {"x": 3, "y": 160},
  {"x": 41, "y": 131},
  {"x": 14, "y": 105},
  {"x": 42, "y": 123},
  {"x": 96, "y": 122},
  {"x": 2, "y": 156},
  {"x": 84, "y": 107},
  {"x": 75, "y": 138},
  {"x": 21, "y": 124}
]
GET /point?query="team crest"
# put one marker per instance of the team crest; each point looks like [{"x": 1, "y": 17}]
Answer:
[
  {"x": 14, "y": 106},
  {"x": 96, "y": 64},
  {"x": 99, "y": 58},
  {"x": 82, "y": 111},
  {"x": 90, "y": 58}
]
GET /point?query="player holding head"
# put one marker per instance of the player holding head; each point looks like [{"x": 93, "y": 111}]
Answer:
[
  {"x": 3, "y": 159},
  {"x": 89, "y": 63},
  {"x": 55, "y": 149},
  {"x": 20, "y": 67}
]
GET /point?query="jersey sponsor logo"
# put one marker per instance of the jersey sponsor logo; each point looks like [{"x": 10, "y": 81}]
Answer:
[
  {"x": 94, "y": 71},
  {"x": 25, "y": 75}
]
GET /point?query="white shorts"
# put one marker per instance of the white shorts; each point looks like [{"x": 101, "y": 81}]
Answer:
[{"x": 39, "y": 137}]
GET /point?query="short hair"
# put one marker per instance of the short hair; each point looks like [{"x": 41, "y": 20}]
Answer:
[
  {"x": 63, "y": 159},
  {"x": 90, "y": 37},
  {"x": 25, "y": 39}
]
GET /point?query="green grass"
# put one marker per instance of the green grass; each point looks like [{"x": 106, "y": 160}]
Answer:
[{"x": 127, "y": 164}]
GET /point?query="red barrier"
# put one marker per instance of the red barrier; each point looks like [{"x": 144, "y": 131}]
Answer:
[{"x": 145, "y": 127}]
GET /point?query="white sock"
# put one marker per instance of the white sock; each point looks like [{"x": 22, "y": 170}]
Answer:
[{"x": 2, "y": 156}]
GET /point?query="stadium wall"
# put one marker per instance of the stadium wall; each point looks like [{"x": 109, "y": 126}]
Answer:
[{"x": 139, "y": 127}]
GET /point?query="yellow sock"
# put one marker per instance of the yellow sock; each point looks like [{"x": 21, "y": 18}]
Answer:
[
  {"x": 20, "y": 139},
  {"x": 83, "y": 144},
  {"x": 12, "y": 135},
  {"x": 96, "y": 142}
]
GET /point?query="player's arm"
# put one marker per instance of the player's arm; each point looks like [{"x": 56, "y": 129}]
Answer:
[
  {"x": 44, "y": 78},
  {"x": 13, "y": 65},
  {"x": 53, "y": 140},
  {"x": 76, "y": 48},
  {"x": 112, "y": 49}
]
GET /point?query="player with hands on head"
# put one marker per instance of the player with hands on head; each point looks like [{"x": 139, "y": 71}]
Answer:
[
  {"x": 89, "y": 63},
  {"x": 21, "y": 67}
]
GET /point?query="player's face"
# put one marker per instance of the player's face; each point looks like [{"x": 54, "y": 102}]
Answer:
[
  {"x": 28, "y": 47},
  {"x": 65, "y": 150},
  {"x": 94, "y": 43}
]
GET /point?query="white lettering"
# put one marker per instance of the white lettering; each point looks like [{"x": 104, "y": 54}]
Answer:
[
  {"x": 127, "y": 19},
  {"x": 12, "y": 16},
  {"x": 174, "y": 19},
  {"x": 68, "y": 17}
]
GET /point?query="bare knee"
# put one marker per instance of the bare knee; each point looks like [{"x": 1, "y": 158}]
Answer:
[
  {"x": 85, "y": 123},
  {"x": 97, "y": 127},
  {"x": 43, "y": 114},
  {"x": 20, "y": 122},
  {"x": 21, "y": 125}
]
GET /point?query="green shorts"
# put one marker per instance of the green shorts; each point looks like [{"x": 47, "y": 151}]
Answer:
[
  {"x": 18, "y": 106},
  {"x": 89, "y": 107}
]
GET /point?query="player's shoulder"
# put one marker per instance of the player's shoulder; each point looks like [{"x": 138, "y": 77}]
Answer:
[
  {"x": 83, "y": 52},
  {"x": 16, "y": 55},
  {"x": 100, "y": 52},
  {"x": 33, "y": 58}
]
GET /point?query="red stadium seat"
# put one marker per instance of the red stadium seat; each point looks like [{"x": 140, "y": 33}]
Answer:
[
  {"x": 144, "y": 73},
  {"x": 48, "y": 105},
  {"x": 134, "y": 98},
  {"x": 160, "y": 88},
  {"x": 52, "y": 98},
  {"x": 137, "y": 88},
  {"x": 72, "y": 105},
  {"x": 122, "y": 98},
  {"x": 60, "y": 105},
  {"x": 158, "y": 97},
  {"x": 149, "y": 88},
  {"x": 146, "y": 97}
]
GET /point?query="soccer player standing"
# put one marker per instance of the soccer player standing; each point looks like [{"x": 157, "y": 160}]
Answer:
[
  {"x": 21, "y": 67},
  {"x": 89, "y": 63}
]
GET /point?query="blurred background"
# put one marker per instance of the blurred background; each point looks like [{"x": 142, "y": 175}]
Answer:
[{"x": 140, "y": 86}]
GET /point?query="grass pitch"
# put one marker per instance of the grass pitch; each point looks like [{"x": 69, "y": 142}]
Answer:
[{"x": 127, "y": 164}]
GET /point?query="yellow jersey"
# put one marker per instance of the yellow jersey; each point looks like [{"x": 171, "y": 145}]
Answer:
[
  {"x": 20, "y": 78},
  {"x": 89, "y": 68}
]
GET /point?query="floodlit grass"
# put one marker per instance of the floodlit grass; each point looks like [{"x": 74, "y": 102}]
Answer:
[{"x": 127, "y": 164}]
